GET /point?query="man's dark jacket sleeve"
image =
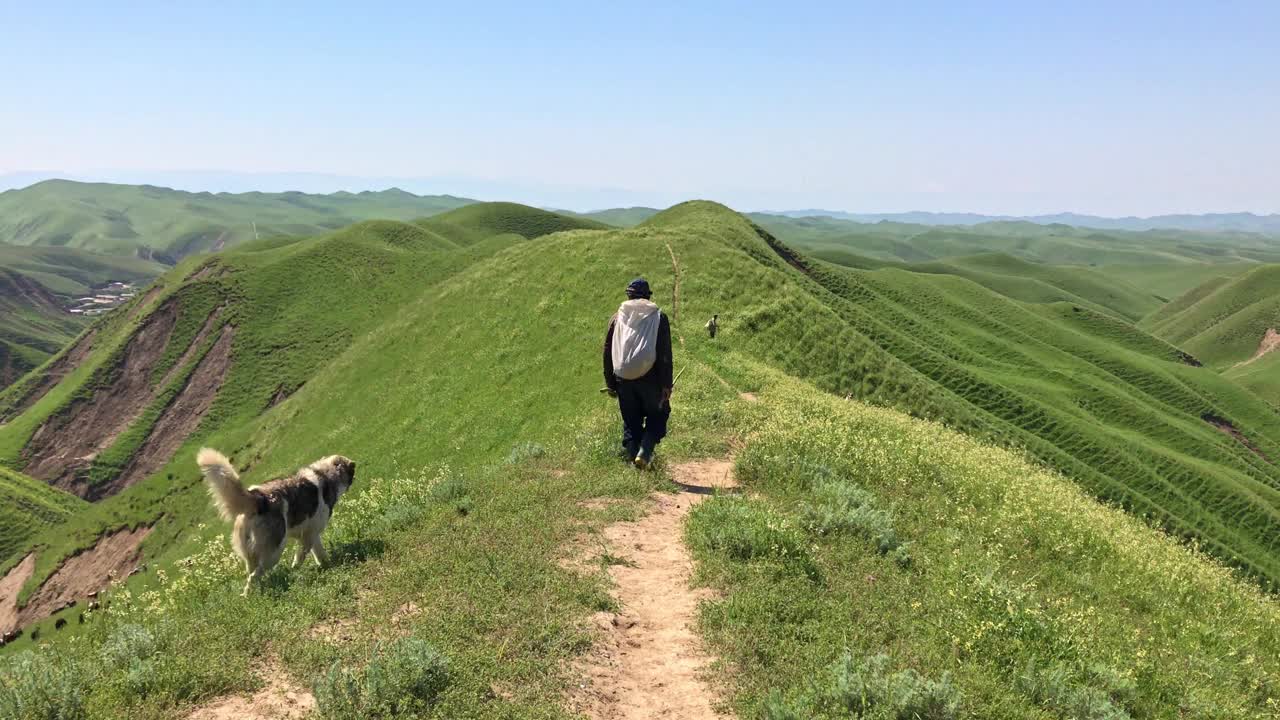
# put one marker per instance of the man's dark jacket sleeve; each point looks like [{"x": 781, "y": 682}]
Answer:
[
  {"x": 662, "y": 366},
  {"x": 610, "y": 380}
]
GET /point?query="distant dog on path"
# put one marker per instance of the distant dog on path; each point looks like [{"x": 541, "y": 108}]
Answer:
[{"x": 263, "y": 517}]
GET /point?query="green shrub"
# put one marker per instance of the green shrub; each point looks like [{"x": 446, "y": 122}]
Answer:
[
  {"x": 402, "y": 678},
  {"x": 452, "y": 490},
  {"x": 130, "y": 655},
  {"x": 747, "y": 530},
  {"x": 866, "y": 688},
  {"x": 41, "y": 687},
  {"x": 1055, "y": 689},
  {"x": 843, "y": 507},
  {"x": 525, "y": 451}
]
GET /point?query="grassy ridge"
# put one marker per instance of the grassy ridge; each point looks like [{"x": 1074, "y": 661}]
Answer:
[
  {"x": 1013, "y": 594},
  {"x": 1144, "y": 267},
  {"x": 448, "y": 542},
  {"x": 167, "y": 225},
  {"x": 1032, "y": 282},
  {"x": 1223, "y": 320},
  {"x": 68, "y": 271},
  {"x": 295, "y": 306},
  {"x": 28, "y": 506},
  {"x": 1116, "y": 410},
  {"x": 33, "y": 325}
]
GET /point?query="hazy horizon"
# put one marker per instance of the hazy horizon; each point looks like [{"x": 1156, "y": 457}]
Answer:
[
  {"x": 482, "y": 190},
  {"x": 1002, "y": 109}
]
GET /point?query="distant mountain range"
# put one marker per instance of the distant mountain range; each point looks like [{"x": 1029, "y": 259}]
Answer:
[{"x": 1212, "y": 222}]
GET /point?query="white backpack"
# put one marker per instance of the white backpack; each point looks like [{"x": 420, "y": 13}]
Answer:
[{"x": 635, "y": 338}]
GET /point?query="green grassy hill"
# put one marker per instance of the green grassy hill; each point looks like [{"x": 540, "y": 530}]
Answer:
[
  {"x": 464, "y": 382},
  {"x": 1164, "y": 263},
  {"x": 622, "y": 217},
  {"x": 70, "y": 272},
  {"x": 28, "y": 506},
  {"x": 33, "y": 325},
  {"x": 167, "y": 225},
  {"x": 1223, "y": 321},
  {"x": 34, "y": 283},
  {"x": 1033, "y": 282}
]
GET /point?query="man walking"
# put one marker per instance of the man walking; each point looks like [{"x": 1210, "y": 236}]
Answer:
[{"x": 637, "y": 371}]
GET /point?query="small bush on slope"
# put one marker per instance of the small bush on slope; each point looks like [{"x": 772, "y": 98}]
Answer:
[
  {"x": 748, "y": 531},
  {"x": 400, "y": 679},
  {"x": 41, "y": 687},
  {"x": 867, "y": 689}
]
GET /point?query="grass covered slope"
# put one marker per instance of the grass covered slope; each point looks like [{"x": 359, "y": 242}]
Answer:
[
  {"x": 167, "y": 225},
  {"x": 1128, "y": 272},
  {"x": 34, "y": 283},
  {"x": 1033, "y": 282},
  {"x": 68, "y": 271},
  {"x": 220, "y": 341},
  {"x": 481, "y": 220},
  {"x": 474, "y": 415},
  {"x": 1223, "y": 321},
  {"x": 28, "y": 506},
  {"x": 1120, "y": 412},
  {"x": 33, "y": 325},
  {"x": 880, "y": 563}
]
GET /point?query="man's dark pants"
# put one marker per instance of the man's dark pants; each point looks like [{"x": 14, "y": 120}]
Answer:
[{"x": 644, "y": 415}]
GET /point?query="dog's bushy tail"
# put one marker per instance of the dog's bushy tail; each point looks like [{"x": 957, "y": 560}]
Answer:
[{"x": 229, "y": 496}]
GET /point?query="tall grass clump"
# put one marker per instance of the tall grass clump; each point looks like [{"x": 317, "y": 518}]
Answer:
[
  {"x": 1101, "y": 696},
  {"x": 41, "y": 687},
  {"x": 867, "y": 688},
  {"x": 130, "y": 653},
  {"x": 838, "y": 507},
  {"x": 401, "y": 679},
  {"x": 748, "y": 531},
  {"x": 524, "y": 452}
]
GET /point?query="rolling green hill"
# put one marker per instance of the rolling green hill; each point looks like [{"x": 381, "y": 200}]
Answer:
[
  {"x": 34, "y": 284},
  {"x": 1231, "y": 323},
  {"x": 622, "y": 217},
  {"x": 167, "y": 225},
  {"x": 464, "y": 382},
  {"x": 1164, "y": 263},
  {"x": 69, "y": 272},
  {"x": 1224, "y": 320},
  {"x": 28, "y": 506},
  {"x": 1036, "y": 283},
  {"x": 33, "y": 325}
]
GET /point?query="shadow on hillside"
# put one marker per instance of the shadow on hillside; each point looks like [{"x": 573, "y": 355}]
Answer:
[{"x": 356, "y": 551}]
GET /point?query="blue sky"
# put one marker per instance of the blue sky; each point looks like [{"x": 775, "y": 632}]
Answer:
[{"x": 1002, "y": 107}]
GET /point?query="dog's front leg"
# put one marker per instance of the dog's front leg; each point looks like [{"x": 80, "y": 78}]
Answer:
[
  {"x": 303, "y": 547},
  {"x": 319, "y": 553},
  {"x": 257, "y": 572}
]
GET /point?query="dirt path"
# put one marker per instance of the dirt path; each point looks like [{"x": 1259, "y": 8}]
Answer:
[
  {"x": 281, "y": 699},
  {"x": 648, "y": 662}
]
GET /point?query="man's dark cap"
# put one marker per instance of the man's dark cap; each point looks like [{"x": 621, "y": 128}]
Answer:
[{"x": 639, "y": 288}]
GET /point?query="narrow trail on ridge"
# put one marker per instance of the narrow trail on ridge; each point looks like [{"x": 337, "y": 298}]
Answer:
[
  {"x": 675, "y": 291},
  {"x": 648, "y": 661}
]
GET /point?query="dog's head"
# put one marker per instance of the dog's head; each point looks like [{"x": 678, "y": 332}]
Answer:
[{"x": 341, "y": 470}]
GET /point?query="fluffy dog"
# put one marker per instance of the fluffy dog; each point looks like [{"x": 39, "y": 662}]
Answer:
[{"x": 263, "y": 517}]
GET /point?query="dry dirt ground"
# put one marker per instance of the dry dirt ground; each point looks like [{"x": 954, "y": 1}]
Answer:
[
  {"x": 112, "y": 558},
  {"x": 648, "y": 661},
  {"x": 1270, "y": 342},
  {"x": 281, "y": 699}
]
